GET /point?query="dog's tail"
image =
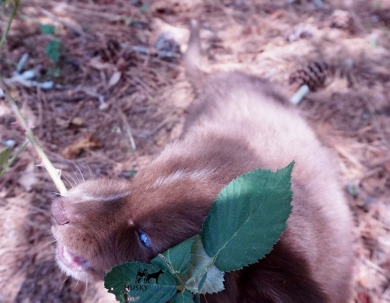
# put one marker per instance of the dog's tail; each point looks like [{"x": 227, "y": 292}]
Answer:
[{"x": 193, "y": 57}]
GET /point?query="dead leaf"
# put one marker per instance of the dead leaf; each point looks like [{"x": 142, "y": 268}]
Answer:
[
  {"x": 77, "y": 121},
  {"x": 73, "y": 150},
  {"x": 114, "y": 79},
  {"x": 96, "y": 63}
]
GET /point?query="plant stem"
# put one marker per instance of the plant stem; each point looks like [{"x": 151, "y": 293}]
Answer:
[
  {"x": 45, "y": 160},
  {"x": 4, "y": 37},
  {"x": 14, "y": 157}
]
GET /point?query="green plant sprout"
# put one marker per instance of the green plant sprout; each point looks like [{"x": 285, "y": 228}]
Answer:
[
  {"x": 54, "y": 48},
  {"x": 244, "y": 222}
]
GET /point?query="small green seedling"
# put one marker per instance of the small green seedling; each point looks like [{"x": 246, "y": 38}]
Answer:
[
  {"x": 54, "y": 48},
  {"x": 244, "y": 222},
  {"x": 47, "y": 29}
]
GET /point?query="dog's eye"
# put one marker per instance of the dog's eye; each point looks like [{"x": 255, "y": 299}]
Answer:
[{"x": 145, "y": 240}]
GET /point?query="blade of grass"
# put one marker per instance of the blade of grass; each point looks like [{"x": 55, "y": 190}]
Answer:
[
  {"x": 14, "y": 157},
  {"x": 13, "y": 14}
]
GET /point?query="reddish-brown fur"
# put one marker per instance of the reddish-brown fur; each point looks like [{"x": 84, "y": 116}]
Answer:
[{"x": 237, "y": 123}]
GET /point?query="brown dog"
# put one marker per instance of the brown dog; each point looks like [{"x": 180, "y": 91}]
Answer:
[{"x": 237, "y": 123}]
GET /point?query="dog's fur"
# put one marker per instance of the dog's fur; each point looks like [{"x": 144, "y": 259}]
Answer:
[{"x": 237, "y": 123}]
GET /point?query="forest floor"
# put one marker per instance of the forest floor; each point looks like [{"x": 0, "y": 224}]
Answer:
[{"x": 118, "y": 77}]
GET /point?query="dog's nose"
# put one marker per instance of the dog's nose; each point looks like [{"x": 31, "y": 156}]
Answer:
[{"x": 58, "y": 212}]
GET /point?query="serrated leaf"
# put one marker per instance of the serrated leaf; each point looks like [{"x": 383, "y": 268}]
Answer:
[
  {"x": 47, "y": 29},
  {"x": 200, "y": 265},
  {"x": 4, "y": 155},
  {"x": 248, "y": 218},
  {"x": 183, "y": 297},
  {"x": 176, "y": 259},
  {"x": 141, "y": 282}
]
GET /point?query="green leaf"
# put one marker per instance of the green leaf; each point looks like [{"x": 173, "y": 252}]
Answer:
[
  {"x": 132, "y": 173},
  {"x": 176, "y": 259},
  {"x": 4, "y": 155},
  {"x": 183, "y": 297},
  {"x": 53, "y": 49},
  {"x": 202, "y": 281},
  {"x": 144, "y": 8},
  {"x": 141, "y": 282},
  {"x": 248, "y": 218},
  {"x": 47, "y": 29},
  {"x": 200, "y": 265}
]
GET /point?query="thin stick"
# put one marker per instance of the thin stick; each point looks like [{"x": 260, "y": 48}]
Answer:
[
  {"x": 45, "y": 160},
  {"x": 4, "y": 37}
]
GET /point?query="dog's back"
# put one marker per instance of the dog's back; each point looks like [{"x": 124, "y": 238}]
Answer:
[{"x": 313, "y": 260}]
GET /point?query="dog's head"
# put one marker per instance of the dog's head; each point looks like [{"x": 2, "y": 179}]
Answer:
[{"x": 104, "y": 222}]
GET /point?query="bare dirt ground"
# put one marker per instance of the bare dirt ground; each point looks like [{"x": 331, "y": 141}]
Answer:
[{"x": 119, "y": 78}]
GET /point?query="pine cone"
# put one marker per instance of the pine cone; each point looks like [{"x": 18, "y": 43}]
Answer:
[{"x": 315, "y": 75}]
